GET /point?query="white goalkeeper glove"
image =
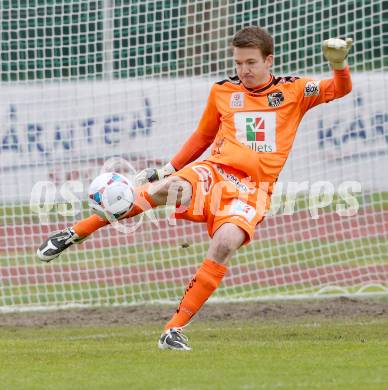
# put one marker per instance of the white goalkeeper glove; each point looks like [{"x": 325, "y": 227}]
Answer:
[
  {"x": 336, "y": 51},
  {"x": 150, "y": 175}
]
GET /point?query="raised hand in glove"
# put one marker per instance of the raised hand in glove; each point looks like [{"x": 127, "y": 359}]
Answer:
[{"x": 336, "y": 51}]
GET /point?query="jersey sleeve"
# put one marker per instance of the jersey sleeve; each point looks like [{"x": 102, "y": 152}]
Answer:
[
  {"x": 314, "y": 92},
  {"x": 202, "y": 137}
]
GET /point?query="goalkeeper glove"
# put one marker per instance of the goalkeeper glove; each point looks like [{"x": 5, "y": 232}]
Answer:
[
  {"x": 336, "y": 51},
  {"x": 150, "y": 175}
]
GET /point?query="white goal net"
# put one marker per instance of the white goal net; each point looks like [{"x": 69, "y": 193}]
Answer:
[{"x": 82, "y": 82}]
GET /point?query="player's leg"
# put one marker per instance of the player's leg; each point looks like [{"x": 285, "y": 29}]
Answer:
[
  {"x": 148, "y": 196},
  {"x": 226, "y": 240},
  {"x": 57, "y": 242}
]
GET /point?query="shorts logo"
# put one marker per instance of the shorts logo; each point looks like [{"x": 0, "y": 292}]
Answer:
[
  {"x": 234, "y": 180},
  {"x": 311, "y": 88},
  {"x": 275, "y": 99},
  {"x": 237, "y": 100},
  {"x": 257, "y": 130},
  {"x": 205, "y": 177},
  {"x": 238, "y": 207}
]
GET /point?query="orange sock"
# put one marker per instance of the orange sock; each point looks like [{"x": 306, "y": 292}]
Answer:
[
  {"x": 205, "y": 281},
  {"x": 89, "y": 225}
]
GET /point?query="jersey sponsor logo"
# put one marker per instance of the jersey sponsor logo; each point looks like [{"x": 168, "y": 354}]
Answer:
[
  {"x": 311, "y": 88},
  {"x": 275, "y": 99},
  {"x": 205, "y": 177},
  {"x": 239, "y": 207},
  {"x": 237, "y": 100},
  {"x": 257, "y": 130}
]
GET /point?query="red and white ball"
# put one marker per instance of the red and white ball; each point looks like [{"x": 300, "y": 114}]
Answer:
[{"x": 111, "y": 195}]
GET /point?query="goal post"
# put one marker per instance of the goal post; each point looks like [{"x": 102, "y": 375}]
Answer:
[{"x": 85, "y": 84}]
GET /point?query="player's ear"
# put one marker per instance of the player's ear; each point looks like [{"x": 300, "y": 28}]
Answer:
[{"x": 269, "y": 60}]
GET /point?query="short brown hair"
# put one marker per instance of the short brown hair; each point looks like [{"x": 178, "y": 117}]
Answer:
[{"x": 254, "y": 37}]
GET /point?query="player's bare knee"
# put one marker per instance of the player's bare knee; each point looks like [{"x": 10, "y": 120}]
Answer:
[
  {"x": 184, "y": 191},
  {"x": 223, "y": 250},
  {"x": 177, "y": 192},
  {"x": 158, "y": 191},
  {"x": 226, "y": 240},
  {"x": 171, "y": 191}
]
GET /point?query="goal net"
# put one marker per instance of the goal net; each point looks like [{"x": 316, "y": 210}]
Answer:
[{"x": 85, "y": 84}]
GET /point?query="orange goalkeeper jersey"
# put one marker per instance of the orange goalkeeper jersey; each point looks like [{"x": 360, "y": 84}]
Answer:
[{"x": 253, "y": 130}]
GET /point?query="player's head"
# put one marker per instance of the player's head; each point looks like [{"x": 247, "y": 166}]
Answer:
[{"x": 253, "y": 55}]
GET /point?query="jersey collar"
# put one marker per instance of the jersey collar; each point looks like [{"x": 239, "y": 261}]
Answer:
[{"x": 260, "y": 88}]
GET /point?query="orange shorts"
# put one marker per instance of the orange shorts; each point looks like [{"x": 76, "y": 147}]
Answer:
[{"x": 221, "y": 195}]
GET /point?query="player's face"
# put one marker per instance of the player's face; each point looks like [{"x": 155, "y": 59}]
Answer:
[{"x": 251, "y": 66}]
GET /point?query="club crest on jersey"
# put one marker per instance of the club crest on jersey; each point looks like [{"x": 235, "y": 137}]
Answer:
[
  {"x": 237, "y": 100},
  {"x": 275, "y": 99},
  {"x": 311, "y": 88}
]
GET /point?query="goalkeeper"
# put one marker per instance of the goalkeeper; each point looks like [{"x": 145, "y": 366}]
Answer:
[{"x": 251, "y": 122}]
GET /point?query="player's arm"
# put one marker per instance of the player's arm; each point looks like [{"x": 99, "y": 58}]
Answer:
[
  {"x": 316, "y": 92},
  {"x": 336, "y": 53},
  {"x": 197, "y": 143}
]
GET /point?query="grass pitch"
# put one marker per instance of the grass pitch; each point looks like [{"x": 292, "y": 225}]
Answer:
[{"x": 303, "y": 354}]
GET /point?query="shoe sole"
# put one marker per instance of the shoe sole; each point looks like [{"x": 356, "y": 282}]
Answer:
[{"x": 44, "y": 258}]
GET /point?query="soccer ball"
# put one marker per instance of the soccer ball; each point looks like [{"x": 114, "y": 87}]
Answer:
[{"x": 111, "y": 195}]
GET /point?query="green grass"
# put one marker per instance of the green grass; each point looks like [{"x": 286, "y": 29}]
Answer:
[
  {"x": 267, "y": 253},
  {"x": 259, "y": 254},
  {"x": 339, "y": 354}
]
